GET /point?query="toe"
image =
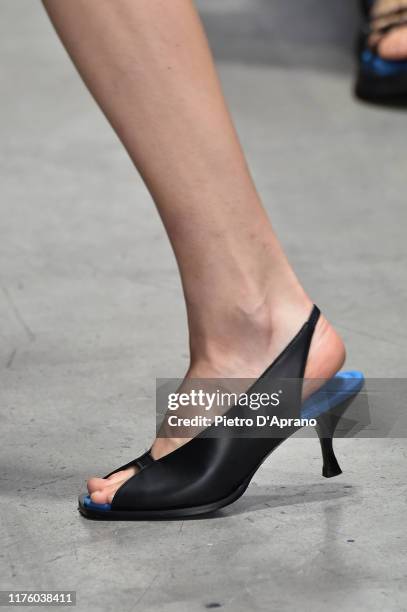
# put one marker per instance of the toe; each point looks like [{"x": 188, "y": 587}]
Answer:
[
  {"x": 394, "y": 45},
  {"x": 99, "y": 497},
  {"x": 99, "y": 484},
  {"x": 106, "y": 495},
  {"x": 96, "y": 484}
]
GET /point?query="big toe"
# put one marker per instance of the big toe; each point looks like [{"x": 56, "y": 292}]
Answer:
[
  {"x": 99, "y": 484},
  {"x": 105, "y": 496},
  {"x": 394, "y": 45}
]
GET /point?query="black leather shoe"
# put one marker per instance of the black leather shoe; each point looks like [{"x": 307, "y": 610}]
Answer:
[{"x": 207, "y": 472}]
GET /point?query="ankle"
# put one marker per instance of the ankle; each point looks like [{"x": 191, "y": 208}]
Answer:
[{"x": 247, "y": 331}]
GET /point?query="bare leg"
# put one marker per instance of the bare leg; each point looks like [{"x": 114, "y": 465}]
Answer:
[{"x": 148, "y": 65}]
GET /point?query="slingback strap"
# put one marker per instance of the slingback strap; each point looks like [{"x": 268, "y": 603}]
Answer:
[
  {"x": 314, "y": 316},
  {"x": 307, "y": 332},
  {"x": 289, "y": 367}
]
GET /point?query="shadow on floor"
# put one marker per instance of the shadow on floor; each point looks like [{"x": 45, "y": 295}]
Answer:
[
  {"x": 24, "y": 482},
  {"x": 258, "y": 498}
]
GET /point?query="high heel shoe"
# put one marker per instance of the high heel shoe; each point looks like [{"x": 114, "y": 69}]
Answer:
[{"x": 208, "y": 473}]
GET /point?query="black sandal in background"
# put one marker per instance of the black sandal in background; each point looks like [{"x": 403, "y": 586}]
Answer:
[
  {"x": 208, "y": 473},
  {"x": 379, "y": 80}
]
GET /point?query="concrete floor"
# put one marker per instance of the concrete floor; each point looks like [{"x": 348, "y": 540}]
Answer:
[{"x": 91, "y": 313}]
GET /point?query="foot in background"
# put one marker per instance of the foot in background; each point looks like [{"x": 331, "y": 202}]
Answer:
[{"x": 382, "y": 74}]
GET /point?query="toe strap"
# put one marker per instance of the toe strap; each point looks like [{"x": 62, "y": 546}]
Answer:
[
  {"x": 141, "y": 462},
  {"x": 144, "y": 461}
]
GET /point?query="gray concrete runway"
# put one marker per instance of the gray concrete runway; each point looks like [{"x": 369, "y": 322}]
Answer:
[{"x": 91, "y": 312}]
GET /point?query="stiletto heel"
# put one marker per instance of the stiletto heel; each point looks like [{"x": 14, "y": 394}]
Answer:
[
  {"x": 328, "y": 419},
  {"x": 326, "y": 425}
]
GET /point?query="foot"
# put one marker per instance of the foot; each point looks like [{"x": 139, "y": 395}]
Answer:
[
  {"x": 391, "y": 45},
  {"x": 261, "y": 341}
]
